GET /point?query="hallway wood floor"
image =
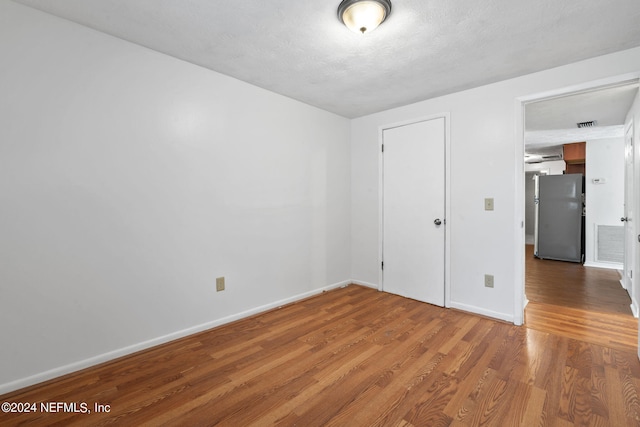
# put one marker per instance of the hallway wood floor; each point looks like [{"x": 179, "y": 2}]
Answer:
[
  {"x": 579, "y": 302},
  {"x": 354, "y": 357}
]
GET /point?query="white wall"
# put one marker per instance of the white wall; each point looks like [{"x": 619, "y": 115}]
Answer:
[
  {"x": 604, "y": 202},
  {"x": 485, "y": 147},
  {"x": 130, "y": 180}
]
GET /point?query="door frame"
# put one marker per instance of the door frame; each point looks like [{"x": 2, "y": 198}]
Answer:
[
  {"x": 447, "y": 192},
  {"x": 520, "y": 298}
]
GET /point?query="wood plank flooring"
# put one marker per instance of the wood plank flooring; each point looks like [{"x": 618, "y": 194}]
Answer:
[
  {"x": 355, "y": 357},
  {"x": 579, "y": 302}
]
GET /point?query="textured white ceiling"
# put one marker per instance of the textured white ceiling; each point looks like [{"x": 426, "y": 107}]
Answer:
[
  {"x": 552, "y": 122},
  {"x": 608, "y": 107},
  {"x": 424, "y": 49}
]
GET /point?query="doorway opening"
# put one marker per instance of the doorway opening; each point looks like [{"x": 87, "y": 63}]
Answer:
[{"x": 545, "y": 127}]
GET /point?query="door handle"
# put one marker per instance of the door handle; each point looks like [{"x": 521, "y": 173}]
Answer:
[
  {"x": 437, "y": 221},
  {"x": 624, "y": 219}
]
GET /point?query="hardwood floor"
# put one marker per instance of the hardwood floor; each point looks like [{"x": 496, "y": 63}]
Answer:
[
  {"x": 579, "y": 302},
  {"x": 355, "y": 357}
]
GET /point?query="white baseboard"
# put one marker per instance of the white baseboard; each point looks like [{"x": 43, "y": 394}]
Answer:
[
  {"x": 634, "y": 309},
  {"x": 482, "y": 311},
  {"x": 610, "y": 266},
  {"x": 367, "y": 284},
  {"x": 106, "y": 357}
]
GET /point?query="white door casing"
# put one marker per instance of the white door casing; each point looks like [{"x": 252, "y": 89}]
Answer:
[{"x": 413, "y": 191}]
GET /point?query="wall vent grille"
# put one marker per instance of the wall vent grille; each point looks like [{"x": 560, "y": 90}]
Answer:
[
  {"x": 610, "y": 244},
  {"x": 590, "y": 124}
]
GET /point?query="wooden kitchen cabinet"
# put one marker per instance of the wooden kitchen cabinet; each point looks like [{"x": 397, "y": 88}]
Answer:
[{"x": 575, "y": 153}]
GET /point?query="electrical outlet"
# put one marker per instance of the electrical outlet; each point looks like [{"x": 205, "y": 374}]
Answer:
[
  {"x": 488, "y": 204},
  {"x": 220, "y": 284},
  {"x": 488, "y": 280}
]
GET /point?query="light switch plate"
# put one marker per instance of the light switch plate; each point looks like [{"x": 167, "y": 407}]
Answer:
[
  {"x": 220, "y": 284},
  {"x": 488, "y": 204}
]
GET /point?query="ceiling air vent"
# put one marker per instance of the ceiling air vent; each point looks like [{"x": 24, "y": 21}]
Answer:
[{"x": 590, "y": 124}]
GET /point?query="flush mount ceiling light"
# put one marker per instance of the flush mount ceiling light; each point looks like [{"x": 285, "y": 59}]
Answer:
[{"x": 363, "y": 16}]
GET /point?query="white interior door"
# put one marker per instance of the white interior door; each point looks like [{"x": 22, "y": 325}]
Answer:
[
  {"x": 413, "y": 211},
  {"x": 629, "y": 235}
]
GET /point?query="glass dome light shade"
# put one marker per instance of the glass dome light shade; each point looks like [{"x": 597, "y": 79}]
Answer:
[{"x": 363, "y": 16}]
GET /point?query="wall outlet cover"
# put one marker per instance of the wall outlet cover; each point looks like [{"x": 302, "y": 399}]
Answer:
[{"x": 488, "y": 280}]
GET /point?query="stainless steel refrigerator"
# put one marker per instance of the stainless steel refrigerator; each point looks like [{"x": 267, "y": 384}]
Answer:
[{"x": 559, "y": 218}]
